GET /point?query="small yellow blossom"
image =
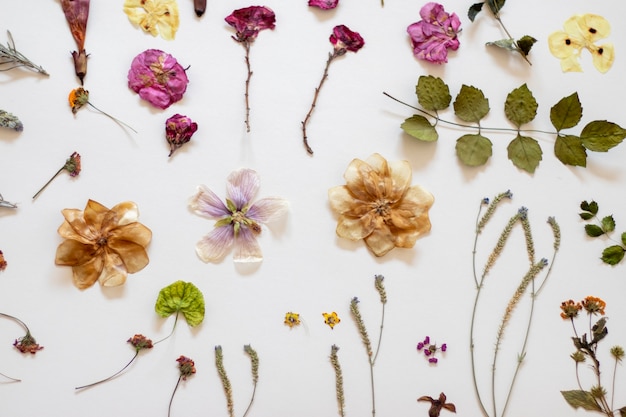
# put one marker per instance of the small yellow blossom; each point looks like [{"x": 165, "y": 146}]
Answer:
[
  {"x": 157, "y": 17},
  {"x": 78, "y": 98},
  {"x": 292, "y": 319},
  {"x": 331, "y": 319}
]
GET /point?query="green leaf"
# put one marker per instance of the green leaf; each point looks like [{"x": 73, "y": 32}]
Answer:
[
  {"x": 432, "y": 93},
  {"x": 420, "y": 128},
  {"x": 470, "y": 104},
  {"x": 181, "y": 297},
  {"x": 474, "y": 10},
  {"x": 579, "y": 398},
  {"x": 525, "y": 153},
  {"x": 508, "y": 44},
  {"x": 600, "y": 135},
  {"x": 624, "y": 239},
  {"x": 525, "y": 44},
  {"x": 608, "y": 223},
  {"x": 473, "y": 150},
  {"x": 569, "y": 150},
  {"x": 496, "y": 5},
  {"x": 593, "y": 230},
  {"x": 520, "y": 106},
  {"x": 590, "y": 207},
  {"x": 613, "y": 255},
  {"x": 599, "y": 331},
  {"x": 566, "y": 113},
  {"x": 585, "y": 215}
]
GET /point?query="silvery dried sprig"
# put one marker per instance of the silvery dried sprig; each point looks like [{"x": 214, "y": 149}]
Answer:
[
  {"x": 11, "y": 58},
  {"x": 10, "y": 121},
  {"x": 72, "y": 165},
  {"x": 228, "y": 390},
  {"x": 6, "y": 204}
]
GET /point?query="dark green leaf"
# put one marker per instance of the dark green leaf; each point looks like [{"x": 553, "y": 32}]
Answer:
[
  {"x": 525, "y": 44},
  {"x": 473, "y": 150},
  {"x": 600, "y": 135},
  {"x": 608, "y": 223},
  {"x": 585, "y": 215},
  {"x": 432, "y": 93},
  {"x": 624, "y": 239},
  {"x": 566, "y": 113},
  {"x": 590, "y": 207},
  {"x": 579, "y": 398},
  {"x": 525, "y": 153},
  {"x": 181, "y": 297},
  {"x": 474, "y": 10},
  {"x": 612, "y": 255},
  {"x": 508, "y": 44},
  {"x": 420, "y": 128},
  {"x": 599, "y": 331},
  {"x": 593, "y": 230},
  {"x": 569, "y": 149},
  {"x": 578, "y": 344},
  {"x": 470, "y": 104},
  {"x": 495, "y": 5},
  {"x": 520, "y": 106}
]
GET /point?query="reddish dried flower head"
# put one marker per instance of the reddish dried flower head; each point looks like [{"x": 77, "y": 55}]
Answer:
[
  {"x": 250, "y": 20},
  {"x": 570, "y": 309},
  {"x": 3, "y": 263},
  {"x": 27, "y": 344},
  {"x": 186, "y": 366},
  {"x": 178, "y": 131},
  {"x": 343, "y": 39},
  {"x": 72, "y": 164},
  {"x": 324, "y": 4},
  {"x": 437, "y": 32},
  {"x": 140, "y": 341},
  {"x": 593, "y": 305}
]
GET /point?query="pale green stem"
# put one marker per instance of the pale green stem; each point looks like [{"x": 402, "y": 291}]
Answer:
[
  {"x": 172, "y": 332},
  {"x": 112, "y": 376},
  {"x": 169, "y": 408},
  {"x": 112, "y": 118},
  {"x": 380, "y": 336}
]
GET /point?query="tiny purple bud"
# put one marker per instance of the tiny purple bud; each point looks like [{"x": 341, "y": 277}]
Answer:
[
  {"x": 433, "y": 360},
  {"x": 420, "y": 346},
  {"x": 444, "y": 347},
  {"x": 427, "y": 352},
  {"x": 427, "y": 340}
]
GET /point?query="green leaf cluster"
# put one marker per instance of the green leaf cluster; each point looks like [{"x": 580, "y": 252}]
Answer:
[
  {"x": 181, "y": 297},
  {"x": 613, "y": 254},
  {"x": 520, "y": 108}
]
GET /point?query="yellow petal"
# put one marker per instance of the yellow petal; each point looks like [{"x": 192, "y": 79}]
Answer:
[
  {"x": 355, "y": 179},
  {"x": 380, "y": 241},
  {"x": 87, "y": 274},
  {"x": 72, "y": 252},
  {"x": 593, "y": 27},
  {"x": 114, "y": 272},
  {"x": 400, "y": 175},
  {"x": 603, "y": 57},
  {"x": 356, "y": 228},
  {"x": 571, "y": 64},
  {"x": 134, "y": 232},
  {"x": 154, "y": 16},
  {"x": 126, "y": 212},
  {"x": 562, "y": 45}
]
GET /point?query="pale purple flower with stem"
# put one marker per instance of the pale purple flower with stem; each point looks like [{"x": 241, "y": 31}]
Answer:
[
  {"x": 324, "y": 4},
  {"x": 178, "y": 130},
  {"x": 343, "y": 40},
  {"x": 437, "y": 32},
  {"x": 239, "y": 219}
]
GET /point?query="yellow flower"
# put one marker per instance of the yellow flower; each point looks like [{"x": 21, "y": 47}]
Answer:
[
  {"x": 582, "y": 31},
  {"x": 379, "y": 205},
  {"x": 154, "y": 16},
  {"x": 292, "y": 319},
  {"x": 103, "y": 244},
  {"x": 332, "y": 319},
  {"x": 78, "y": 98}
]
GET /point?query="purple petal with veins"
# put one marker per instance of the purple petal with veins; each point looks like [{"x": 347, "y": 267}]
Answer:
[
  {"x": 214, "y": 246},
  {"x": 207, "y": 203},
  {"x": 241, "y": 187},
  {"x": 247, "y": 248}
]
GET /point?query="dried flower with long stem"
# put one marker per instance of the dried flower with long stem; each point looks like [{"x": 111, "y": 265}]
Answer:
[
  {"x": 6, "y": 204},
  {"x": 72, "y": 165},
  {"x": 187, "y": 368},
  {"x": 10, "y": 57},
  {"x": 334, "y": 360},
  {"x": 25, "y": 344},
  {"x": 228, "y": 390},
  {"x": 77, "y": 14},
  {"x": 79, "y": 97}
]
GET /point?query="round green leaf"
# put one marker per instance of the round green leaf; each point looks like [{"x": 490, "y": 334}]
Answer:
[
  {"x": 432, "y": 93},
  {"x": 520, "y": 106},
  {"x": 420, "y": 128},
  {"x": 600, "y": 135},
  {"x": 473, "y": 150},
  {"x": 566, "y": 113},
  {"x": 593, "y": 230},
  {"x": 608, "y": 223},
  {"x": 470, "y": 104},
  {"x": 570, "y": 150},
  {"x": 613, "y": 255},
  {"x": 181, "y": 297},
  {"x": 624, "y": 238},
  {"x": 525, "y": 153}
]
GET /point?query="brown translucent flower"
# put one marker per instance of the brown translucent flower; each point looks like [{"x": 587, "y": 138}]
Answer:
[
  {"x": 103, "y": 244},
  {"x": 379, "y": 205}
]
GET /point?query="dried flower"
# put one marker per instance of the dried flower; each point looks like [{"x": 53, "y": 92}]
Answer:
[
  {"x": 570, "y": 309},
  {"x": 158, "y": 78},
  {"x": 103, "y": 244},
  {"x": 617, "y": 352},
  {"x": 582, "y": 31},
  {"x": 154, "y": 16},
  {"x": 72, "y": 165},
  {"x": 379, "y": 205},
  {"x": 79, "y": 97},
  {"x": 437, "y": 32},
  {"x": 430, "y": 349},
  {"x": 593, "y": 305},
  {"x": 334, "y": 360},
  {"x": 324, "y": 4},
  {"x": 199, "y": 6},
  {"x": 437, "y": 405},
  {"x": 27, "y": 344},
  {"x": 10, "y": 121},
  {"x": 578, "y": 356},
  {"x": 238, "y": 221},
  {"x": 332, "y": 319},
  {"x": 3, "y": 264},
  {"x": 76, "y": 14},
  {"x": 140, "y": 342},
  {"x": 343, "y": 40},
  {"x": 178, "y": 131},
  {"x": 10, "y": 56},
  {"x": 186, "y": 367},
  {"x": 292, "y": 319}
]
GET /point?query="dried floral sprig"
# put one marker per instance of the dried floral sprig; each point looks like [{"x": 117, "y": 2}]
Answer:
[
  {"x": 25, "y": 344},
  {"x": 72, "y": 166},
  {"x": 11, "y": 57},
  {"x": 186, "y": 368},
  {"x": 79, "y": 97},
  {"x": 343, "y": 40},
  {"x": 228, "y": 389},
  {"x": 437, "y": 32},
  {"x": 436, "y": 405},
  {"x": 3, "y": 262},
  {"x": 77, "y": 13},
  {"x": 341, "y": 400},
  {"x": 331, "y": 319},
  {"x": 254, "y": 368},
  {"x": 10, "y": 121},
  {"x": 6, "y": 204},
  {"x": 613, "y": 254},
  {"x": 430, "y": 349},
  {"x": 178, "y": 130}
]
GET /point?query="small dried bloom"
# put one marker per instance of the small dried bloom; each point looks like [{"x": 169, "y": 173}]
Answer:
[
  {"x": 332, "y": 319},
  {"x": 78, "y": 98},
  {"x": 10, "y": 121},
  {"x": 430, "y": 349},
  {"x": 343, "y": 39},
  {"x": 186, "y": 367},
  {"x": 178, "y": 131},
  {"x": 570, "y": 309},
  {"x": 437, "y": 32},
  {"x": 593, "y": 305},
  {"x": 618, "y": 353},
  {"x": 27, "y": 344},
  {"x": 77, "y": 13},
  {"x": 292, "y": 319},
  {"x": 156, "y": 17},
  {"x": 3, "y": 262},
  {"x": 578, "y": 356},
  {"x": 140, "y": 341},
  {"x": 72, "y": 164},
  {"x": 437, "y": 405},
  {"x": 249, "y": 21},
  {"x": 324, "y": 4}
]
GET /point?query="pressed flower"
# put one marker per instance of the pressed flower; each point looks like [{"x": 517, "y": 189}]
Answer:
[
  {"x": 430, "y": 349},
  {"x": 79, "y": 97},
  {"x": 617, "y": 352},
  {"x": 25, "y": 344},
  {"x": 332, "y": 319},
  {"x": 437, "y": 32},
  {"x": 593, "y": 305},
  {"x": 582, "y": 31},
  {"x": 436, "y": 405},
  {"x": 379, "y": 205},
  {"x": 156, "y": 17},
  {"x": 324, "y": 4},
  {"x": 343, "y": 40},
  {"x": 10, "y": 121},
  {"x": 77, "y": 14},
  {"x": 292, "y": 319},
  {"x": 103, "y": 244},
  {"x": 187, "y": 368},
  {"x": 178, "y": 130},
  {"x": 72, "y": 165},
  {"x": 158, "y": 78},
  {"x": 3, "y": 265},
  {"x": 239, "y": 220},
  {"x": 11, "y": 57},
  {"x": 248, "y": 22},
  {"x": 570, "y": 309}
]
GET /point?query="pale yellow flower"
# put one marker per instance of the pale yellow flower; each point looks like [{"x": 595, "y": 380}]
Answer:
[{"x": 154, "y": 16}]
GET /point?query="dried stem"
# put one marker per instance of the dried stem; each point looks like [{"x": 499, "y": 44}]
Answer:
[
  {"x": 9, "y": 55},
  {"x": 171, "y": 333},
  {"x": 169, "y": 407},
  {"x": 48, "y": 183},
  {"x": 112, "y": 376},
  {"x": 246, "y": 45},
  {"x": 334, "y": 360},
  {"x": 112, "y": 118}
]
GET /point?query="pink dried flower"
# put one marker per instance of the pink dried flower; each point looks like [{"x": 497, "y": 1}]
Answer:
[
  {"x": 140, "y": 341},
  {"x": 437, "y": 32},
  {"x": 324, "y": 4},
  {"x": 27, "y": 344},
  {"x": 186, "y": 366},
  {"x": 158, "y": 78},
  {"x": 178, "y": 131}
]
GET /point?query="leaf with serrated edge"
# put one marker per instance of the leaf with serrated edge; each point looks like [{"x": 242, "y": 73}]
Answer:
[
  {"x": 600, "y": 135},
  {"x": 474, "y": 10},
  {"x": 579, "y": 398},
  {"x": 591, "y": 207},
  {"x": 495, "y": 5},
  {"x": 525, "y": 153},
  {"x": 570, "y": 150},
  {"x": 183, "y": 297},
  {"x": 432, "y": 93},
  {"x": 473, "y": 150},
  {"x": 613, "y": 255},
  {"x": 566, "y": 113},
  {"x": 420, "y": 128},
  {"x": 608, "y": 223},
  {"x": 470, "y": 104},
  {"x": 593, "y": 230},
  {"x": 520, "y": 106},
  {"x": 508, "y": 44}
]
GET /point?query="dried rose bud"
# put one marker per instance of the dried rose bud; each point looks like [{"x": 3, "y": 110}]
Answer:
[
  {"x": 343, "y": 39},
  {"x": 250, "y": 20},
  {"x": 178, "y": 130},
  {"x": 186, "y": 366},
  {"x": 140, "y": 341},
  {"x": 324, "y": 4}
]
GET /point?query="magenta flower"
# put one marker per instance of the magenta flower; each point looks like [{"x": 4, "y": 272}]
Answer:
[
  {"x": 343, "y": 40},
  {"x": 437, "y": 32},
  {"x": 238, "y": 221},
  {"x": 178, "y": 131},
  {"x": 324, "y": 4},
  {"x": 158, "y": 78},
  {"x": 431, "y": 349}
]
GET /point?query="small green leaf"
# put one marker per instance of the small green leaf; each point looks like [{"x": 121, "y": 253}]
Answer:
[
  {"x": 585, "y": 216},
  {"x": 420, "y": 128},
  {"x": 496, "y": 5},
  {"x": 474, "y": 10},
  {"x": 508, "y": 44},
  {"x": 608, "y": 223},
  {"x": 525, "y": 44},
  {"x": 473, "y": 150},
  {"x": 600, "y": 135},
  {"x": 181, "y": 297},
  {"x": 593, "y": 230},
  {"x": 579, "y": 398},
  {"x": 525, "y": 153},
  {"x": 613, "y": 255},
  {"x": 566, "y": 113},
  {"x": 624, "y": 238},
  {"x": 520, "y": 106},
  {"x": 569, "y": 150},
  {"x": 432, "y": 93},
  {"x": 470, "y": 104},
  {"x": 599, "y": 331},
  {"x": 590, "y": 207}
]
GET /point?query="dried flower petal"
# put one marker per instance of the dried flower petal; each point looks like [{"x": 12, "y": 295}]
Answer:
[
  {"x": 343, "y": 39},
  {"x": 324, "y": 4},
  {"x": 140, "y": 341},
  {"x": 178, "y": 131},
  {"x": 593, "y": 305},
  {"x": 250, "y": 20},
  {"x": 437, "y": 32},
  {"x": 3, "y": 262},
  {"x": 570, "y": 309},
  {"x": 27, "y": 344},
  {"x": 156, "y": 17},
  {"x": 78, "y": 98},
  {"x": 292, "y": 319},
  {"x": 186, "y": 366},
  {"x": 77, "y": 14},
  {"x": 437, "y": 405}
]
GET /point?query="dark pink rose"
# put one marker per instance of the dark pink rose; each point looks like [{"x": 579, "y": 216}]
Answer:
[
  {"x": 437, "y": 32},
  {"x": 324, "y": 4},
  {"x": 178, "y": 130},
  {"x": 250, "y": 20},
  {"x": 344, "y": 39}
]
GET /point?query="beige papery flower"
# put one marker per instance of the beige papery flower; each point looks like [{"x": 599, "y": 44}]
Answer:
[
  {"x": 379, "y": 205},
  {"x": 103, "y": 244}
]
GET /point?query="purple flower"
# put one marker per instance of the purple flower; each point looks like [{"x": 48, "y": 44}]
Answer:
[
  {"x": 158, "y": 78},
  {"x": 433, "y": 360},
  {"x": 324, "y": 4},
  {"x": 343, "y": 39},
  {"x": 437, "y": 32},
  {"x": 250, "y": 20},
  {"x": 420, "y": 346},
  {"x": 178, "y": 131},
  {"x": 444, "y": 347},
  {"x": 239, "y": 220},
  {"x": 427, "y": 340}
]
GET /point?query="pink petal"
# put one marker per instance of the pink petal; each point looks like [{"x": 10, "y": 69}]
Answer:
[
  {"x": 268, "y": 209},
  {"x": 246, "y": 247},
  {"x": 206, "y": 203},
  {"x": 242, "y": 186},
  {"x": 214, "y": 246}
]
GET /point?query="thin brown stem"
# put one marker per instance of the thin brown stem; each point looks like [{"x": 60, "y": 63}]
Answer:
[
  {"x": 48, "y": 183},
  {"x": 246, "y": 45},
  {"x": 169, "y": 408},
  {"x": 112, "y": 376}
]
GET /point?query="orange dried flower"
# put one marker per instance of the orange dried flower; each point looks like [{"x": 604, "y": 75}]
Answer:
[
  {"x": 570, "y": 309},
  {"x": 593, "y": 305}
]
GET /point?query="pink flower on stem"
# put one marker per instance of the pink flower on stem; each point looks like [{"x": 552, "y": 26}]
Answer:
[
  {"x": 178, "y": 130},
  {"x": 239, "y": 219},
  {"x": 158, "y": 78},
  {"x": 437, "y": 32},
  {"x": 324, "y": 4},
  {"x": 343, "y": 40}
]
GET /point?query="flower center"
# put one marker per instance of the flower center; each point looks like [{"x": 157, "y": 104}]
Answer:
[
  {"x": 241, "y": 219},
  {"x": 102, "y": 241},
  {"x": 381, "y": 207}
]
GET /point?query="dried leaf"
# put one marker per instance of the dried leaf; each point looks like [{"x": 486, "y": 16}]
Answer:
[
  {"x": 432, "y": 93},
  {"x": 496, "y": 5},
  {"x": 508, "y": 44},
  {"x": 470, "y": 104},
  {"x": 579, "y": 398},
  {"x": 420, "y": 128},
  {"x": 474, "y": 10},
  {"x": 624, "y": 238},
  {"x": 566, "y": 113},
  {"x": 613, "y": 254},
  {"x": 600, "y": 135},
  {"x": 590, "y": 207},
  {"x": 525, "y": 153},
  {"x": 520, "y": 106},
  {"x": 569, "y": 149},
  {"x": 608, "y": 223},
  {"x": 525, "y": 44},
  {"x": 183, "y": 297},
  {"x": 473, "y": 150},
  {"x": 593, "y": 230}
]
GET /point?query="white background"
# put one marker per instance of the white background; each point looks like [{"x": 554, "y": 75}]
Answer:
[{"x": 306, "y": 269}]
